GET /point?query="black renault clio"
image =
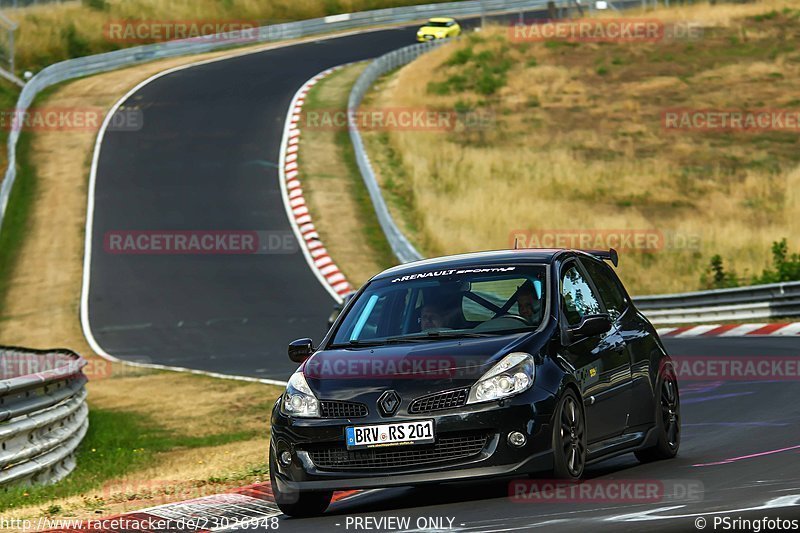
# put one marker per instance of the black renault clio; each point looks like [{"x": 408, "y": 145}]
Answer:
[{"x": 471, "y": 366}]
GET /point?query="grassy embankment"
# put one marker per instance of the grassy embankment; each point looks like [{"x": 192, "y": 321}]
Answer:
[{"x": 577, "y": 143}]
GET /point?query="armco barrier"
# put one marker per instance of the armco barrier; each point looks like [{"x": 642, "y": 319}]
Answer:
[
  {"x": 43, "y": 414},
  {"x": 402, "y": 248},
  {"x": 85, "y": 66},
  {"x": 774, "y": 300}
]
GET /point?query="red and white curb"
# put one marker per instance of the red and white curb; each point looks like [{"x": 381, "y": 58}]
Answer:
[
  {"x": 733, "y": 330},
  {"x": 244, "y": 507},
  {"x": 317, "y": 256}
]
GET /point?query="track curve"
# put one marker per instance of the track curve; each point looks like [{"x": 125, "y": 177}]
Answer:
[{"x": 206, "y": 159}]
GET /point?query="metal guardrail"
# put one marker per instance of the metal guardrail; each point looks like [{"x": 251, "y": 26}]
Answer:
[
  {"x": 401, "y": 246},
  {"x": 85, "y": 66},
  {"x": 774, "y": 300},
  {"x": 43, "y": 414}
]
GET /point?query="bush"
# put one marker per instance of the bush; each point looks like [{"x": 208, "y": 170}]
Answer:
[
  {"x": 483, "y": 72},
  {"x": 460, "y": 57},
  {"x": 97, "y": 5},
  {"x": 715, "y": 276},
  {"x": 75, "y": 45},
  {"x": 785, "y": 267}
]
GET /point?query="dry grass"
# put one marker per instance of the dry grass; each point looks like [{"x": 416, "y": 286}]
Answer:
[
  {"x": 332, "y": 186},
  {"x": 577, "y": 144},
  {"x": 41, "y": 310},
  {"x": 52, "y": 32}
]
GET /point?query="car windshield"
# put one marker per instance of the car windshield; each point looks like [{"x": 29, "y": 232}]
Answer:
[
  {"x": 436, "y": 24},
  {"x": 446, "y": 303}
]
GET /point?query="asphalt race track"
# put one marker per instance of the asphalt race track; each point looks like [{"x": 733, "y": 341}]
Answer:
[
  {"x": 206, "y": 160},
  {"x": 725, "y": 421}
]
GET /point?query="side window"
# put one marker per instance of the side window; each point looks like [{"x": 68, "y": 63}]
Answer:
[
  {"x": 578, "y": 297},
  {"x": 608, "y": 287}
]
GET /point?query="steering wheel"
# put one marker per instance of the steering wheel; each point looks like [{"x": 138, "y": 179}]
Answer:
[{"x": 515, "y": 317}]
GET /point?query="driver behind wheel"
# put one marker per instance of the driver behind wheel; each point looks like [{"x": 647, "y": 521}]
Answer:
[
  {"x": 432, "y": 317},
  {"x": 528, "y": 302}
]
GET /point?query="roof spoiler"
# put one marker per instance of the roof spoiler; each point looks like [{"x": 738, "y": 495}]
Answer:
[{"x": 608, "y": 255}]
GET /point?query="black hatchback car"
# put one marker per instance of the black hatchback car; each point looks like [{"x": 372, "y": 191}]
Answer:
[{"x": 471, "y": 366}]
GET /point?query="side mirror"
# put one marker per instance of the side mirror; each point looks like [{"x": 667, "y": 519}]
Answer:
[
  {"x": 300, "y": 350},
  {"x": 590, "y": 326}
]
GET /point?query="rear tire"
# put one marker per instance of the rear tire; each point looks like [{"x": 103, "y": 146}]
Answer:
[
  {"x": 298, "y": 504},
  {"x": 668, "y": 420},
  {"x": 569, "y": 438}
]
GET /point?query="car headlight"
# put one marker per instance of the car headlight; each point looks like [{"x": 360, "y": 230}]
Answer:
[
  {"x": 298, "y": 400},
  {"x": 513, "y": 374}
]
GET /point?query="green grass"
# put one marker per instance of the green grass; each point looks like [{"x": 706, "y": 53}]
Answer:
[
  {"x": 15, "y": 224},
  {"x": 483, "y": 72},
  {"x": 117, "y": 443},
  {"x": 372, "y": 232}
]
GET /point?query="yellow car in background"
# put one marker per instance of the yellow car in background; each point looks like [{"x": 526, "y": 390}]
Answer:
[{"x": 438, "y": 28}]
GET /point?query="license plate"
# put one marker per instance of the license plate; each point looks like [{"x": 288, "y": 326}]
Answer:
[{"x": 394, "y": 434}]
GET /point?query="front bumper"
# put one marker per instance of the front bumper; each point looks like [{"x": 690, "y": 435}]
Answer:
[{"x": 529, "y": 413}]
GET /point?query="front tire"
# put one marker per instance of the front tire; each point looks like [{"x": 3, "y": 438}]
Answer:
[
  {"x": 569, "y": 438},
  {"x": 668, "y": 420},
  {"x": 298, "y": 504}
]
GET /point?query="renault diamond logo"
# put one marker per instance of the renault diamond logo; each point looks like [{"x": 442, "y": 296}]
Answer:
[{"x": 389, "y": 402}]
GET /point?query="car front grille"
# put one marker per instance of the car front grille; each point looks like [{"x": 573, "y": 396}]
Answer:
[
  {"x": 439, "y": 401},
  {"x": 447, "y": 448},
  {"x": 340, "y": 409}
]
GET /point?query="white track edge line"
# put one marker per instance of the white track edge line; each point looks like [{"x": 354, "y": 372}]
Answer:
[{"x": 87, "y": 255}]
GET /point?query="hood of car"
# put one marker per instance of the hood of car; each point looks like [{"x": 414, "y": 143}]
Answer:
[{"x": 412, "y": 369}]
